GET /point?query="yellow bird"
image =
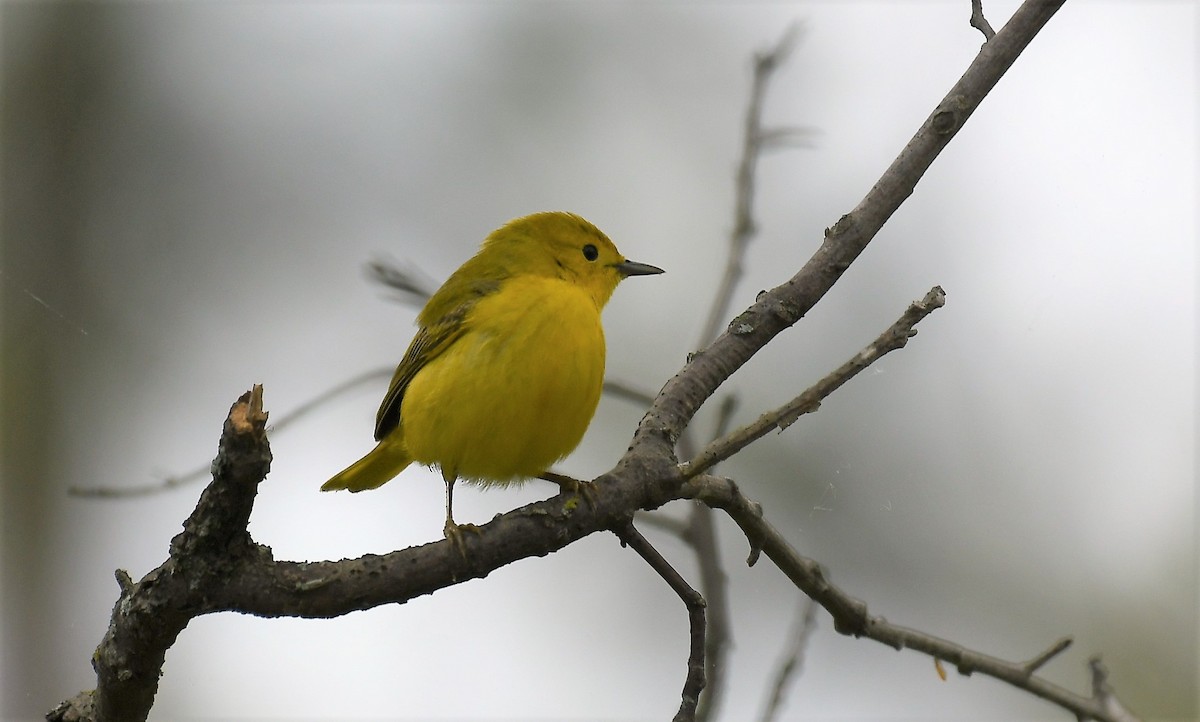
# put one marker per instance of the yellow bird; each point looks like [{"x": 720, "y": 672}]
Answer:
[{"x": 505, "y": 372}]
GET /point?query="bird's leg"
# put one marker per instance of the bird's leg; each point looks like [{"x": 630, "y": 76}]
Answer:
[
  {"x": 569, "y": 484},
  {"x": 454, "y": 532}
]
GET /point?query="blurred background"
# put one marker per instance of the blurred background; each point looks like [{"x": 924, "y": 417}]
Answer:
[{"x": 190, "y": 194}]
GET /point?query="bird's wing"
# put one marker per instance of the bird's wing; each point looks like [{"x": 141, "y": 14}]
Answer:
[
  {"x": 429, "y": 343},
  {"x": 432, "y": 340}
]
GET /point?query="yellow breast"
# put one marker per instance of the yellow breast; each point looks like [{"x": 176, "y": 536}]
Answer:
[{"x": 517, "y": 391}]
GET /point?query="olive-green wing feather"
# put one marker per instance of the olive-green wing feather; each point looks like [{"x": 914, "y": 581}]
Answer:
[
  {"x": 431, "y": 341},
  {"x": 428, "y": 344}
]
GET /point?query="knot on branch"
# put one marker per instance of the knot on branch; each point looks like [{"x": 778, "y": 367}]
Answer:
[{"x": 950, "y": 115}]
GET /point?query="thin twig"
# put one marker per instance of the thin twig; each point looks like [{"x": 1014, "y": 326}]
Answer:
[
  {"x": 725, "y": 413},
  {"x": 1051, "y": 652},
  {"x": 851, "y": 617},
  {"x": 753, "y": 139},
  {"x": 702, "y": 530},
  {"x": 662, "y": 522},
  {"x": 201, "y": 472},
  {"x": 627, "y": 392},
  {"x": 895, "y": 337},
  {"x": 412, "y": 284},
  {"x": 793, "y": 660},
  {"x": 781, "y": 307},
  {"x": 979, "y": 22},
  {"x": 694, "y": 682},
  {"x": 701, "y": 534},
  {"x": 1103, "y": 693},
  {"x": 413, "y": 287}
]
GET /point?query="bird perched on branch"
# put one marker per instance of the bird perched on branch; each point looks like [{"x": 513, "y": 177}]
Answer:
[{"x": 505, "y": 372}]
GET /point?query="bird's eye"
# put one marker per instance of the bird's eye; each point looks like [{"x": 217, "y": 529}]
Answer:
[{"x": 590, "y": 252}]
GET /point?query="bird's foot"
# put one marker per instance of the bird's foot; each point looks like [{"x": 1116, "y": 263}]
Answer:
[
  {"x": 585, "y": 490},
  {"x": 454, "y": 532}
]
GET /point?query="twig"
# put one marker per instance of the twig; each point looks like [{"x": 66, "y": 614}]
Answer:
[
  {"x": 627, "y": 392},
  {"x": 201, "y": 472},
  {"x": 694, "y": 682},
  {"x": 1051, "y": 652},
  {"x": 154, "y": 487},
  {"x": 851, "y": 617},
  {"x": 753, "y": 139},
  {"x": 676, "y": 527},
  {"x": 701, "y": 531},
  {"x": 793, "y": 661},
  {"x": 701, "y": 534},
  {"x": 895, "y": 337},
  {"x": 1103, "y": 693},
  {"x": 979, "y": 22},
  {"x": 781, "y": 307},
  {"x": 413, "y": 285},
  {"x": 725, "y": 413}
]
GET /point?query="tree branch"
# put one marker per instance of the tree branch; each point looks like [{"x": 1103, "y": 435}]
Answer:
[
  {"x": 851, "y": 617},
  {"x": 895, "y": 337},
  {"x": 806, "y": 622},
  {"x": 694, "y": 683},
  {"x": 150, "y": 614},
  {"x": 701, "y": 530},
  {"x": 784, "y": 305},
  {"x": 753, "y": 140},
  {"x": 200, "y": 472},
  {"x": 979, "y": 22}
]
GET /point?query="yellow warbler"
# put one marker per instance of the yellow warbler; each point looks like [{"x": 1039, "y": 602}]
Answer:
[{"x": 505, "y": 371}]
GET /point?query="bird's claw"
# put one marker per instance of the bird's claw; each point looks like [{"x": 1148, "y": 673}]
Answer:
[{"x": 454, "y": 533}]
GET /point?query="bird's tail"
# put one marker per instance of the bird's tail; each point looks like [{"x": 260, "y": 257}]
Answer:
[{"x": 377, "y": 468}]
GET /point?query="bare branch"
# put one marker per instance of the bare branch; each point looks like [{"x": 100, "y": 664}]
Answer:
[
  {"x": 694, "y": 683},
  {"x": 412, "y": 285},
  {"x": 1051, "y": 652},
  {"x": 702, "y": 531},
  {"x": 895, "y": 337},
  {"x": 701, "y": 534},
  {"x": 793, "y": 661},
  {"x": 627, "y": 392},
  {"x": 772, "y": 138},
  {"x": 753, "y": 140},
  {"x": 1103, "y": 693},
  {"x": 201, "y": 472},
  {"x": 851, "y": 617},
  {"x": 157, "y": 486},
  {"x": 215, "y": 566},
  {"x": 676, "y": 527},
  {"x": 129, "y": 660},
  {"x": 784, "y": 305},
  {"x": 979, "y": 22}
]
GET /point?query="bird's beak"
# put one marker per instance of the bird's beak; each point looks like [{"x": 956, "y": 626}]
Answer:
[{"x": 633, "y": 268}]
